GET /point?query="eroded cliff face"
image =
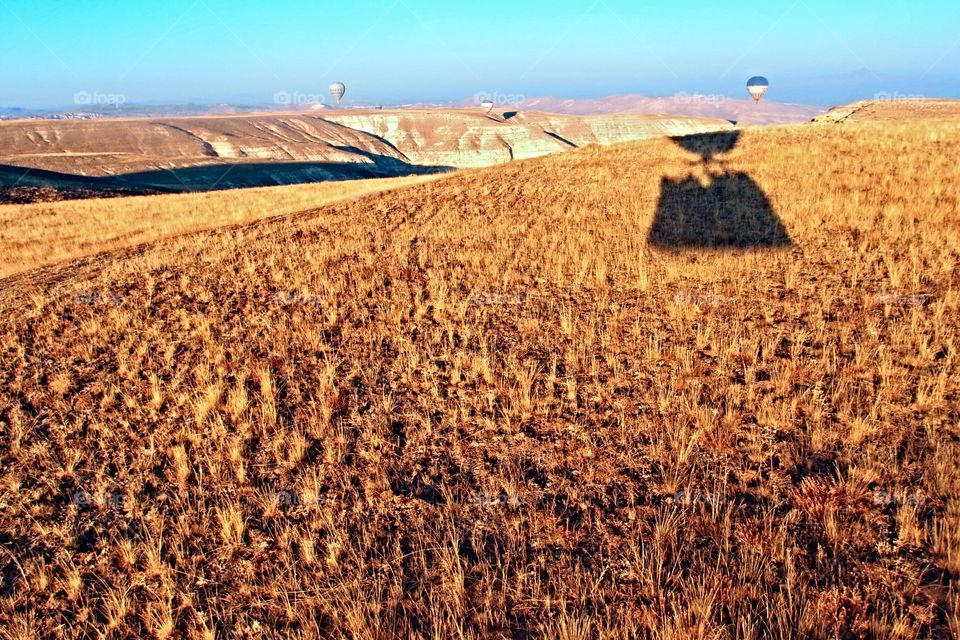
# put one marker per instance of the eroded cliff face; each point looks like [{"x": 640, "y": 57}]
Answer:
[
  {"x": 463, "y": 138},
  {"x": 112, "y": 147},
  {"x": 454, "y": 138},
  {"x": 194, "y": 153},
  {"x": 611, "y": 129}
]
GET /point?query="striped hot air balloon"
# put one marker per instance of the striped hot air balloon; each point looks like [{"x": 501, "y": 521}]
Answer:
[{"x": 757, "y": 86}]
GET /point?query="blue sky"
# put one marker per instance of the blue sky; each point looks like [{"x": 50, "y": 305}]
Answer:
[{"x": 395, "y": 51}]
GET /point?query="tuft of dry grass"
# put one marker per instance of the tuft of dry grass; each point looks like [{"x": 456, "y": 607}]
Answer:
[{"x": 487, "y": 407}]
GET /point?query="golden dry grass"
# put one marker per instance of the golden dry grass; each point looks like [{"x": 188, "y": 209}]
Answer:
[
  {"x": 485, "y": 407},
  {"x": 34, "y": 235},
  {"x": 896, "y": 110}
]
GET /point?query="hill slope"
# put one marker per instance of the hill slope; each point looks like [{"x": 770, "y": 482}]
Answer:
[
  {"x": 463, "y": 138},
  {"x": 893, "y": 111},
  {"x": 43, "y": 160},
  {"x": 50, "y": 159},
  {"x": 112, "y": 147},
  {"x": 556, "y": 398},
  {"x": 45, "y": 233}
]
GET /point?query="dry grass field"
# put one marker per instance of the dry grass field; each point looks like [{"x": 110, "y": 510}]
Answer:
[
  {"x": 511, "y": 403},
  {"x": 41, "y": 234}
]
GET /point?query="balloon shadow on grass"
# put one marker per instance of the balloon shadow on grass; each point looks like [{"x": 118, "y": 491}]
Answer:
[{"x": 730, "y": 211}]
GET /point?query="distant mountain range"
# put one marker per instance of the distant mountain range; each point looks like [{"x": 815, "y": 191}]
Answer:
[
  {"x": 129, "y": 110},
  {"x": 740, "y": 111}
]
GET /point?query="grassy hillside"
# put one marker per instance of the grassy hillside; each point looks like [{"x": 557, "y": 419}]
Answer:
[
  {"x": 895, "y": 110},
  {"x": 556, "y": 398},
  {"x": 41, "y": 234}
]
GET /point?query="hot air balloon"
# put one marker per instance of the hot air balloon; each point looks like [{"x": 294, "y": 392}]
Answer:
[
  {"x": 337, "y": 89},
  {"x": 487, "y": 105},
  {"x": 757, "y": 86}
]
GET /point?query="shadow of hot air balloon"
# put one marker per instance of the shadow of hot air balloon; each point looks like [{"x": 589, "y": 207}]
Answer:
[{"x": 720, "y": 209}]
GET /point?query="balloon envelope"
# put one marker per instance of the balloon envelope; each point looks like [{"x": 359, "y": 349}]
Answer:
[
  {"x": 487, "y": 105},
  {"x": 757, "y": 86},
  {"x": 337, "y": 90}
]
